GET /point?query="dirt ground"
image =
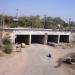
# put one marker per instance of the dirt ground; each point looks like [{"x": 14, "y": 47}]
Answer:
[{"x": 14, "y": 63}]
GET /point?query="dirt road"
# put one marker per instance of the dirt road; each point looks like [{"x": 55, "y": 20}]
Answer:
[{"x": 33, "y": 60}]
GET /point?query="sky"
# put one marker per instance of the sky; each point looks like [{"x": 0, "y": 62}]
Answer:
[{"x": 55, "y": 8}]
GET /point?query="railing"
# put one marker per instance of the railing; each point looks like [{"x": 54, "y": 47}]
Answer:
[
  {"x": 35, "y": 29},
  {"x": 39, "y": 29}
]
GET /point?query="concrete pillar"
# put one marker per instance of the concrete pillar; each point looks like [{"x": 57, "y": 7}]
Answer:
[
  {"x": 45, "y": 38},
  {"x": 13, "y": 40},
  {"x": 70, "y": 36},
  {"x": 29, "y": 39},
  {"x": 58, "y": 39},
  {"x": 12, "y": 37}
]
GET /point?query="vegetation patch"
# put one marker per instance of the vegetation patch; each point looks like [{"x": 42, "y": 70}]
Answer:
[
  {"x": 7, "y": 48},
  {"x": 6, "y": 41},
  {"x": 66, "y": 45}
]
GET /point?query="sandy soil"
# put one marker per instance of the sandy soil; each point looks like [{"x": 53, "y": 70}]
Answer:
[{"x": 12, "y": 64}]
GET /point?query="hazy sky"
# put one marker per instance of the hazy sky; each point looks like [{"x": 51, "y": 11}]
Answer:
[{"x": 55, "y": 8}]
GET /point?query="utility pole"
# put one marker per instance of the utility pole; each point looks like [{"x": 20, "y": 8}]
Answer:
[
  {"x": 17, "y": 13},
  {"x": 44, "y": 21},
  {"x": 2, "y": 26},
  {"x": 70, "y": 24},
  {"x": 32, "y": 23},
  {"x": 3, "y": 21},
  {"x": 16, "y": 19}
]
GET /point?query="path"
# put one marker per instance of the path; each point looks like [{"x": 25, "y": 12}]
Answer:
[{"x": 33, "y": 60}]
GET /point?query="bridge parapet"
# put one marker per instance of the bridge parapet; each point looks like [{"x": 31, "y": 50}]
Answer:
[
  {"x": 53, "y": 35},
  {"x": 41, "y": 32}
]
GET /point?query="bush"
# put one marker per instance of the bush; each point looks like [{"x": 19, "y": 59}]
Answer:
[
  {"x": 7, "y": 48},
  {"x": 6, "y": 41}
]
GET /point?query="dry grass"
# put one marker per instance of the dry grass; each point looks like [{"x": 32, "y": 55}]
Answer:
[
  {"x": 70, "y": 69},
  {"x": 2, "y": 53},
  {"x": 66, "y": 45}
]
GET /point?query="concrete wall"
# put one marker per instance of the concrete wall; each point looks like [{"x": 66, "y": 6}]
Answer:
[
  {"x": 53, "y": 36},
  {"x": 72, "y": 37}
]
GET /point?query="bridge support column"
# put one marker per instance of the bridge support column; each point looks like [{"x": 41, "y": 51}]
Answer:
[
  {"x": 45, "y": 38},
  {"x": 58, "y": 39},
  {"x": 29, "y": 39},
  {"x": 12, "y": 38},
  {"x": 70, "y": 36}
]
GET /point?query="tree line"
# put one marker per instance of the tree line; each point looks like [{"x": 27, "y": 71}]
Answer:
[{"x": 46, "y": 22}]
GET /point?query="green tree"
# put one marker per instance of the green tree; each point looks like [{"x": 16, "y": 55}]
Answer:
[
  {"x": 24, "y": 21},
  {"x": 35, "y": 21},
  {"x": 58, "y": 20}
]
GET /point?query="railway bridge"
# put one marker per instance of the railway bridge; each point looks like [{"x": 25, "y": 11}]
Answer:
[{"x": 32, "y": 35}]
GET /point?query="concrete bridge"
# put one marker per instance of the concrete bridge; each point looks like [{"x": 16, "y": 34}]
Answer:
[{"x": 30, "y": 35}]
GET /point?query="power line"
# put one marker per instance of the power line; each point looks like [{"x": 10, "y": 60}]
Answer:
[{"x": 17, "y": 12}]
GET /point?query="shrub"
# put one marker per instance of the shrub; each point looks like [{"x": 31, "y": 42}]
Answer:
[
  {"x": 7, "y": 48},
  {"x": 6, "y": 41}
]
